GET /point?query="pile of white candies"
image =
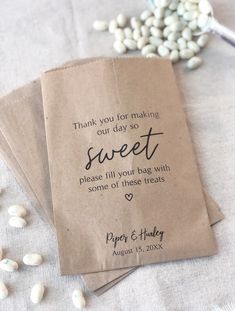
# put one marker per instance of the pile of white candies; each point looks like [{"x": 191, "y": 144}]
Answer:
[
  {"x": 32, "y": 259},
  {"x": 168, "y": 31}
]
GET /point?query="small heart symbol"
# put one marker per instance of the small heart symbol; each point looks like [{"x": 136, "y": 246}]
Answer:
[{"x": 129, "y": 196}]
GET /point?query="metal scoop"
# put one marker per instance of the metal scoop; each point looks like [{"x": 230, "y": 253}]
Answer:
[{"x": 212, "y": 26}]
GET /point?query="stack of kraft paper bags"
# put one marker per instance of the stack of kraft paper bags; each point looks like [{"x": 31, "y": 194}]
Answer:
[{"x": 108, "y": 160}]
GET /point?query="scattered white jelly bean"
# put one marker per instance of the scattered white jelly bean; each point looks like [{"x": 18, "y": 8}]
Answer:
[
  {"x": 145, "y": 31},
  {"x": 186, "y": 54},
  {"x": 100, "y": 25},
  {"x": 174, "y": 56},
  {"x": 205, "y": 7},
  {"x": 149, "y": 21},
  {"x": 78, "y": 299},
  {"x": 17, "y": 210},
  {"x": 145, "y": 14},
  {"x": 194, "y": 62},
  {"x": 3, "y": 290},
  {"x": 130, "y": 44},
  {"x": 187, "y": 34},
  {"x": 121, "y": 20},
  {"x": 32, "y": 259},
  {"x": 202, "y": 21},
  {"x": 119, "y": 47},
  {"x": 128, "y": 33},
  {"x": 135, "y": 23},
  {"x": 169, "y": 30},
  {"x": 113, "y": 25},
  {"x": 155, "y": 32},
  {"x": 37, "y": 293},
  {"x": 148, "y": 49},
  {"x": 8, "y": 265},
  {"x": 142, "y": 42},
  {"x": 163, "y": 51},
  {"x": 193, "y": 46},
  {"x": 17, "y": 222},
  {"x": 203, "y": 40},
  {"x": 119, "y": 34}
]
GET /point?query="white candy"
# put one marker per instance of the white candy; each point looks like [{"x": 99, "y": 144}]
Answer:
[
  {"x": 113, "y": 25},
  {"x": 17, "y": 210},
  {"x": 158, "y": 23},
  {"x": 152, "y": 55},
  {"x": 203, "y": 40},
  {"x": 194, "y": 62},
  {"x": 180, "y": 9},
  {"x": 3, "y": 290},
  {"x": 171, "y": 29},
  {"x": 170, "y": 20},
  {"x": 145, "y": 14},
  {"x": 186, "y": 54},
  {"x": 135, "y": 23},
  {"x": 173, "y": 5},
  {"x": 171, "y": 45},
  {"x": 121, "y": 20},
  {"x": 166, "y": 31},
  {"x": 193, "y": 46},
  {"x": 37, "y": 293},
  {"x": 182, "y": 44},
  {"x": 32, "y": 259},
  {"x": 128, "y": 33},
  {"x": 148, "y": 49},
  {"x": 130, "y": 44},
  {"x": 119, "y": 47},
  {"x": 187, "y": 34},
  {"x": 149, "y": 21},
  {"x": 163, "y": 51},
  {"x": 8, "y": 265},
  {"x": 136, "y": 34},
  {"x": 156, "y": 32},
  {"x": 159, "y": 13},
  {"x": 202, "y": 21},
  {"x": 177, "y": 26},
  {"x": 174, "y": 56},
  {"x": 145, "y": 31},
  {"x": 100, "y": 25},
  {"x": 1, "y": 252},
  {"x": 204, "y": 7},
  {"x": 17, "y": 222},
  {"x": 119, "y": 34},
  {"x": 189, "y": 6},
  {"x": 189, "y": 16},
  {"x": 164, "y": 3},
  {"x": 142, "y": 42},
  {"x": 173, "y": 36},
  {"x": 155, "y": 41},
  {"x": 78, "y": 299},
  {"x": 193, "y": 25}
]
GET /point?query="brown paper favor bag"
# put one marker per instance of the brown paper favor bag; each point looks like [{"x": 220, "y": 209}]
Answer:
[
  {"x": 124, "y": 216},
  {"x": 30, "y": 91}
]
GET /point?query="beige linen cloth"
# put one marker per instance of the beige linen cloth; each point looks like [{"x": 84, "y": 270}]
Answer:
[{"x": 40, "y": 35}]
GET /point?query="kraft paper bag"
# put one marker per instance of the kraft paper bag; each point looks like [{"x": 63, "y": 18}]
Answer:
[
  {"x": 125, "y": 186},
  {"x": 14, "y": 106}
]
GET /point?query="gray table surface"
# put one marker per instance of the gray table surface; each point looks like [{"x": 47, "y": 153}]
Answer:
[{"x": 40, "y": 34}]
